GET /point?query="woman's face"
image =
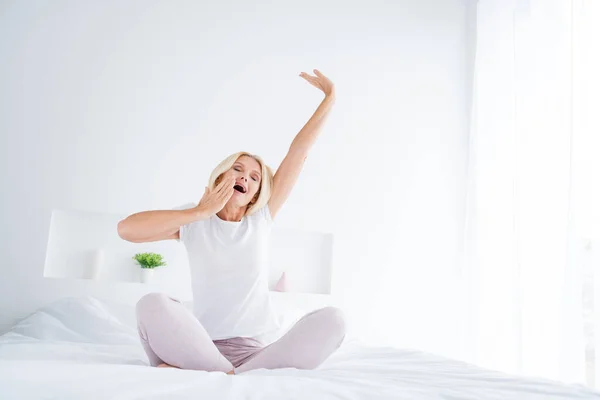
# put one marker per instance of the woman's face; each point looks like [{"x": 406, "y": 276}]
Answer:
[{"x": 247, "y": 173}]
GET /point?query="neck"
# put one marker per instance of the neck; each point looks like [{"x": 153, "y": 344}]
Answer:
[{"x": 232, "y": 213}]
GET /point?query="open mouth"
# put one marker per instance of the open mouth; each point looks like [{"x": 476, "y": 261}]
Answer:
[{"x": 240, "y": 188}]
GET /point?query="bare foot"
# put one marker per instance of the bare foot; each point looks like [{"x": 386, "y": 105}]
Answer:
[
  {"x": 231, "y": 372},
  {"x": 165, "y": 365}
]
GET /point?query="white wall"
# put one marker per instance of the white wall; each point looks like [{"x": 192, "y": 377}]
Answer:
[{"x": 125, "y": 106}]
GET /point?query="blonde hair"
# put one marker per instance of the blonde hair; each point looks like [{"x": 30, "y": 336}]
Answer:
[{"x": 266, "y": 183}]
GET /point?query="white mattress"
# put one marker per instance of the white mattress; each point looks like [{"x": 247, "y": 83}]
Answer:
[{"x": 89, "y": 349}]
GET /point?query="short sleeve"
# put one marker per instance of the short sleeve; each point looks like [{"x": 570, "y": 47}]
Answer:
[
  {"x": 264, "y": 213},
  {"x": 184, "y": 229}
]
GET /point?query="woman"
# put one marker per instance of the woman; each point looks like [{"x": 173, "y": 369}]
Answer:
[{"x": 226, "y": 236}]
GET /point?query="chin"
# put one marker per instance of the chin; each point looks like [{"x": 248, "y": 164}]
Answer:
[{"x": 241, "y": 203}]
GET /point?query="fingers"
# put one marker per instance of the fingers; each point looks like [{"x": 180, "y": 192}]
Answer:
[
  {"x": 318, "y": 75},
  {"x": 220, "y": 185},
  {"x": 315, "y": 81},
  {"x": 223, "y": 197},
  {"x": 228, "y": 193},
  {"x": 224, "y": 182},
  {"x": 308, "y": 77}
]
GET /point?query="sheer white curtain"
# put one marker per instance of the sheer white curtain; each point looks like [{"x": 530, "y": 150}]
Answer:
[{"x": 529, "y": 204}]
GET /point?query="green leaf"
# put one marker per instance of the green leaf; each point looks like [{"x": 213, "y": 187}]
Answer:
[{"x": 149, "y": 260}]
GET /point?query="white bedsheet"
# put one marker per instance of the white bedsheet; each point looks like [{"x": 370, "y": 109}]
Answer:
[{"x": 88, "y": 349}]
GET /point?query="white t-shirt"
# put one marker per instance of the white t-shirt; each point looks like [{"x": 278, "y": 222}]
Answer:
[{"x": 229, "y": 271}]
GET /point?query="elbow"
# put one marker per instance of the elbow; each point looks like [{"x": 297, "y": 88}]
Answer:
[{"x": 299, "y": 151}]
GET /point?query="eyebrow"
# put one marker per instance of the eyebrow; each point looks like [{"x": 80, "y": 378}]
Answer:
[{"x": 254, "y": 170}]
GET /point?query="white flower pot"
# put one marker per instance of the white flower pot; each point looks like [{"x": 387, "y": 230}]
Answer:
[
  {"x": 146, "y": 274},
  {"x": 96, "y": 264}
]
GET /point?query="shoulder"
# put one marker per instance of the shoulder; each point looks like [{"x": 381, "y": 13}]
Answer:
[
  {"x": 186, "y": 232},
  {"x": 262, "y": 214}
]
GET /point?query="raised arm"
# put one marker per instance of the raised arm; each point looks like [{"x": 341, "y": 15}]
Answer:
[{"x": 287, "y": 174}]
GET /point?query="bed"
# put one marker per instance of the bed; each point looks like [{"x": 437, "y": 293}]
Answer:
[{"x": 87, "y": 348}]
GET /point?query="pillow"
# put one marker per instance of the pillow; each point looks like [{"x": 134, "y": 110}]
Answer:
[
  {"x": 88, "y": 319},
  {"x": 84, "y": 319}
]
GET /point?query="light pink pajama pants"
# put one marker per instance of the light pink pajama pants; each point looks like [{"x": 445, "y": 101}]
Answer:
[{"x": 171, "y": 334}]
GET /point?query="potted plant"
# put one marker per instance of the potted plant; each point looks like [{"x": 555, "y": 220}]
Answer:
[{"x": 148, "y": 261}]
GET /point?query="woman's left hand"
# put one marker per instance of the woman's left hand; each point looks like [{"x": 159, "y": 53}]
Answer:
[{"x": 320, "y": 81}]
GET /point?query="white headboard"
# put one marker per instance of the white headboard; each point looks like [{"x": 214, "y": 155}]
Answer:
[{"x": 78, "y": 240}]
